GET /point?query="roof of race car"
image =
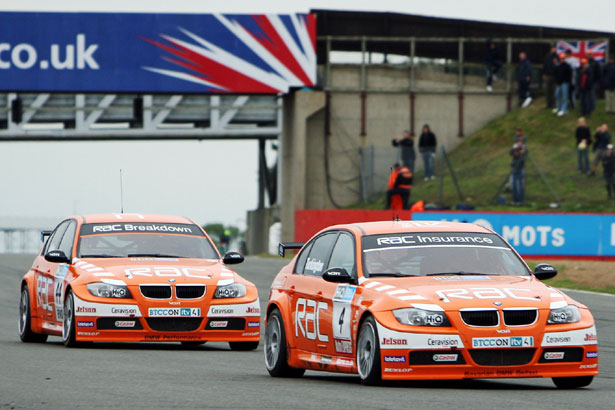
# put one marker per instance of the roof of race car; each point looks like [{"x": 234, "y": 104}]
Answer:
[
  {"x": 385, "y": 227},
  {"x": 131, "y": 217}
]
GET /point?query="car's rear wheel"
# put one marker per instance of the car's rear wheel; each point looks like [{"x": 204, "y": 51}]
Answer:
[
  {"x": 368, "y": 353},
  {"x": 243, "y": 346},
  {"x": 68, "y": 329},
  {"x": 572, "y": 382},
  {"x": 276, "y": 350},
  {"x": 25, "y": 320}
]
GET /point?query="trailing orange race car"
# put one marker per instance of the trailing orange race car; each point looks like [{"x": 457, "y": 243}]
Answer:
[
  {"x": 423, "y": 300},
  {"x": 132, "y": 278}
]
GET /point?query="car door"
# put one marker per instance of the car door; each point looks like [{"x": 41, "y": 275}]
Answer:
[
  {"x": 306, "y": 295},
  {"x": 45, "y": 275},
  {"x": 337, "y": 319},
  {"x": 66, "y": 246}
]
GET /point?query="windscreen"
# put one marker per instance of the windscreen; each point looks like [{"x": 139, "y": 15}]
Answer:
[
  {"x": 439, "y": 253},
  {"x": 142, "y": 239}
]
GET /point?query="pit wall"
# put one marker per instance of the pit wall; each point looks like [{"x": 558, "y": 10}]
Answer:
[{"x": 533, "y": 235}]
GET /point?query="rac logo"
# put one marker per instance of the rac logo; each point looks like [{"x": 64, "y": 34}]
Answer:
[{"x": 307, "y": 312}]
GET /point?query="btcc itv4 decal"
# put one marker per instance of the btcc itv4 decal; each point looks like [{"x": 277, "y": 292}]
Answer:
[{"x": 495, "y": 342}]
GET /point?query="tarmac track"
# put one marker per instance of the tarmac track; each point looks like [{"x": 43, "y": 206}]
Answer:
[{"x": 150, "y": 375}]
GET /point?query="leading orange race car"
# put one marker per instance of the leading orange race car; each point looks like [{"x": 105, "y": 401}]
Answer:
[
  {"x": 133, "y": 278},
  {"x": 423, "y": 300}
]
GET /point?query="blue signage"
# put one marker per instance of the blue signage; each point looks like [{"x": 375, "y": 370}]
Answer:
[
  {"x": 591, "y": 235},
  {"x": 156, "y": 53}
]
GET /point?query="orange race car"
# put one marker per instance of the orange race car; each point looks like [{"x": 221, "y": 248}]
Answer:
[
  {"x": 423, "y": 300},
  {"x": 133, "y": 278}
]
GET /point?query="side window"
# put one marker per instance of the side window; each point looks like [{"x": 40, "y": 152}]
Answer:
[
  {"x": 319, "y": 254},
  {"x": 343, "y": 255},
  {"x": 66, "y": 244},
  {"x": 302, "y": 258},
  {"x": 53, "y": 243}
]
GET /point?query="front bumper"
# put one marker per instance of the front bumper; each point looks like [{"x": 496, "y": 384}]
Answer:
[
  {"x": 421, "y": 356},
  {"x": 113, "y": 322}
]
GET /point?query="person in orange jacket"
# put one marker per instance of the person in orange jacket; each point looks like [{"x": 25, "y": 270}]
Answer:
[{"x": 400, "y": 183}]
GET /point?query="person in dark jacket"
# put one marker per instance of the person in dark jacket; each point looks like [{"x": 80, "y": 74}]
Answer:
[
  {"x": 608, "y": 78},
  {"x": 585, "y": 85},
  {"x": 597, "y": 73},
  {"x": 427, "y": 148},
  {"x": 602, "y": 139},
  {"x": 400, "y": 183},
  {"x": 562, "y": 75},
  {"x": 518, "y": 152},
  {"x": 608, "y": 165},
  {"x": 525, "y": 77},
  {"x": 406, "y": 146},
  {"x": 548, "y": 67},
  {"x": 584, "y": 141},
  {"x": 493, "y": 63}
]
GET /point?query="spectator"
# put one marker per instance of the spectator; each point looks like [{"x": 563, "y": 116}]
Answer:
[
  {"x": 519, "y": 135},
  {"x": 548, "y": 67},
  {"x": 562, "y": 74},
  {"x": 427, "y": 148},
  {"x": 400, "y": 183},
  {"x": 602, "y": 139},
  {"x": 585, "y": 85},
  {"x": 525, "y": 77},
  {"x": 584, "y": 141},
  {"x": 406, "y": 146},
  {"x": 493, "y": 63},
  {"x": 597, "y": 77},
  {"x": 518, "y": 152},
  {"x": 608, "y": 165},
  {"x": 574, "y": 63},
  {"x": 608, "y": 76}
]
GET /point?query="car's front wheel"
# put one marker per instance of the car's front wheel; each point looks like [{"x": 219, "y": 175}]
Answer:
[
  {"x": 368, "y": 353},
  {"x": 68, "y": 329},
  {"x": 25, "y": 320},
  {"x": 572, "y": 382},
  {"x": 276, "y": 351},
  {"x": 243, "y": 346}
]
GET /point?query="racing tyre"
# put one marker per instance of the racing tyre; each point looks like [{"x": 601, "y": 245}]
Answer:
[
  {"x": 25, "y": 320},
  {"x": 276, "y": 350},
  {"x": 68, "y": 324},
  {"x": 368, "y": 353},
  {"x": 243, "y": 346},
  {"x": 572, "y": 382}
]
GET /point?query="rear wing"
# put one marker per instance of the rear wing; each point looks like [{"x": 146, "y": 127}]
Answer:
[
  {"x": 45, "y": 234},
  {"x": 289, "y": 245}
]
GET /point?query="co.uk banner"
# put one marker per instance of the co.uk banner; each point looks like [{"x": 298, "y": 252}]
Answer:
[
  {"x": 543, "y": 234},
  {"x": 136, "y": 52}
]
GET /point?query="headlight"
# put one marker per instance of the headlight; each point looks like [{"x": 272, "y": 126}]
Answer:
[
  {"x": 420, "y": 317},
  {"x": 234, "y": 290},
  {"x": 567, "y": 314},
  {"x": 105, "y": 290}
]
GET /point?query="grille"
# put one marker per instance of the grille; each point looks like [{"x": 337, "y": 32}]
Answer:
[
  {"x": 156, "y": 291},
  {"x": 118, "y": 323},
  {"x": 568, "y": 354},
  {"x": 226, "y": 323},
  {"x": 520, "y": 317},
  {"x": 189, "y": 291},
  {"x": 502, "y": 357},
  {"x": 174, "y": 324},
  {"x": 480, "y": 317},
  {"x": 431, "y": 357}
]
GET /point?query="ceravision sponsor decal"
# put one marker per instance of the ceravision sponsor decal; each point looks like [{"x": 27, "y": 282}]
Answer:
[
  {"x": 174, "y": 312},
  {"x": 240, "y": 309},
  {"x": 495, "y": 342},
  {"x": 395, "y": 359},
  {"x": 442, "y": 341},
  {"x": 83, "y": 308},
  {"x": 390, "y": 339},
  {"x": 85, "y": 324},
  {"x": 574, "y": 337}
]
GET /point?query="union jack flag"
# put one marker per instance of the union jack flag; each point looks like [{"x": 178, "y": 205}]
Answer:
[
  {"x": 242, "y": 53},
  {"x": 581, "y": 49}
]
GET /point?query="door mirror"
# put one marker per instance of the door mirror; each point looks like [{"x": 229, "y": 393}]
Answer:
[
  {"x": 337, "y": 275},
  {"x": 544, "y": 271},
  {"x": 231, "y": 258},
  {"x": 57, "y": 256}
]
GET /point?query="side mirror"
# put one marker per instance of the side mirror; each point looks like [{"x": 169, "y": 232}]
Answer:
[
  {"x": 544, "y": 271},
  {"x": 231, "y": 258},
  {"x": 337, "y": 275},
  {"x": 57, "y": 256}
]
